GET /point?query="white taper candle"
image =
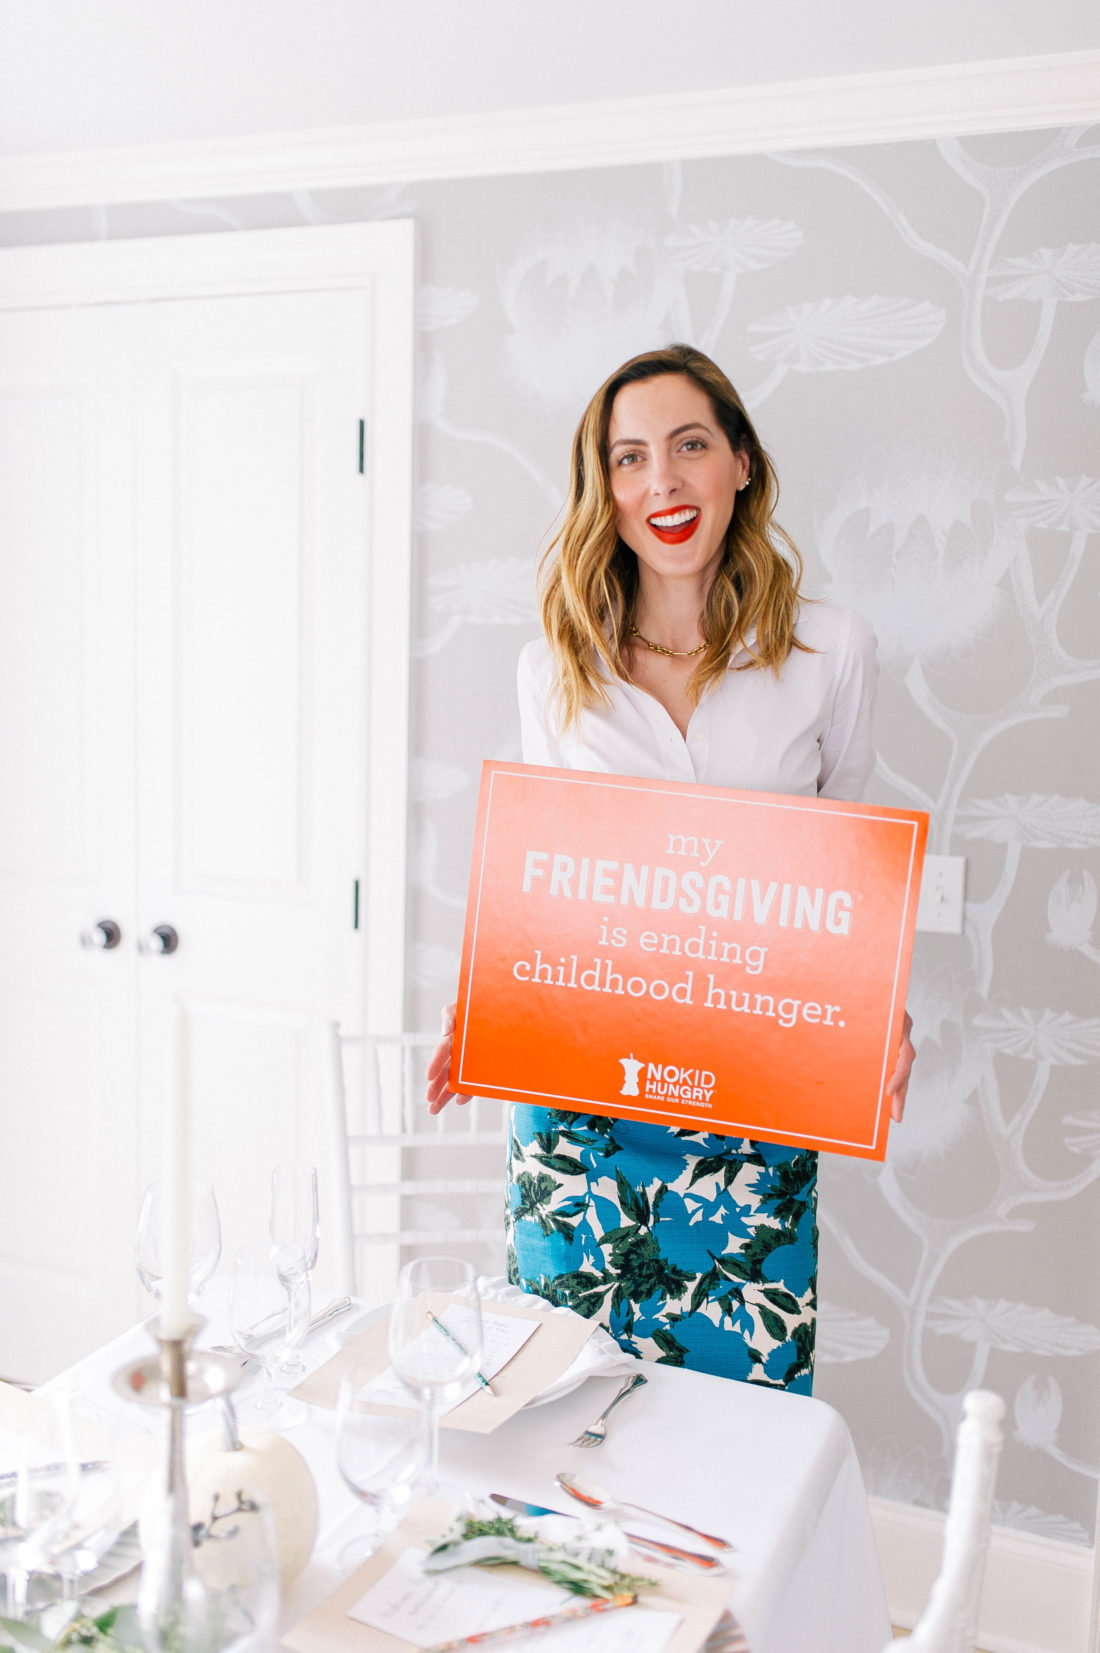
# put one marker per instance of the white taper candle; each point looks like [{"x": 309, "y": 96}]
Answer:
[{"x": 175, "y": 1315}]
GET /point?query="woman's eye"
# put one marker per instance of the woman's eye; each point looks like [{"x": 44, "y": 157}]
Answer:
[
  {"x": 625, "y": 459},
  {"x": 694, "y": 444}
]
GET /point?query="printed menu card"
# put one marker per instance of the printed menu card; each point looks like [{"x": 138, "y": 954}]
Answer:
[{"x": 390, "y": 1606}]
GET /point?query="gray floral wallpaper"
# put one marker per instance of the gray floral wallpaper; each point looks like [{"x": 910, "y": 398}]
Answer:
[{"x": 916, "y": 328}]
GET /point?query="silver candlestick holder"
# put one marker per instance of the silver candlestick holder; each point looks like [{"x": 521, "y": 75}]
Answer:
[{"x": 173, "y": 1611}]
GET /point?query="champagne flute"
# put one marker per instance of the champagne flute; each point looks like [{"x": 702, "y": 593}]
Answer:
[
  {"x": 294, "y": 1231},
  {"x": 206, "y": 1238},
  {"x": 293, "y": 1222},
  {"x": 269, "y": 1321},
  {"x": 380, "y": 1456},
  {"x": 435, "y": 1363}
]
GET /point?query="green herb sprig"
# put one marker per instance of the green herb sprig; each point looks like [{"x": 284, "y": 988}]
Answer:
[
  {"x": 115, "y": 1631},
  {"x": 579, "y": 1567}
]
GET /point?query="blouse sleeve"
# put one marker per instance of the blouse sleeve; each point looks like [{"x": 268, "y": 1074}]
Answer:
[
  {"x": 847, "y": 745},
  {"x": 534, "y": 686}
]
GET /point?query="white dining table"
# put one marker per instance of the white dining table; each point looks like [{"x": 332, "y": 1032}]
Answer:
[{"x": 773, "y": 1472}]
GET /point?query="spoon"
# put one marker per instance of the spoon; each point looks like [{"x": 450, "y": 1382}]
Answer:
[{"x": 595, "y": 1498}]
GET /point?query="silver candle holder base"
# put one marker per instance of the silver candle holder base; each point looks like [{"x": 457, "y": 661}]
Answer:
[
  {"x": 178, "y": 1371},
  {"x": 173, "y": 1610}
]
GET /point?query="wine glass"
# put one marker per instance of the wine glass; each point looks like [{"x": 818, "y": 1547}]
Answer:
[
  {"x": 269, "y": 1320},
  {"x": 435, "y": 1363},
  {"x": 35, "y": 1505},
  {"x": 380, "y": 1456},
  {"x": 236, "y": 1561},
  {"x": 225, "y": 1598},
  {"x": 294, "y": 1232},
  {"x": 71, "y": 1546},
  {"x": 206, "y": 1237}
]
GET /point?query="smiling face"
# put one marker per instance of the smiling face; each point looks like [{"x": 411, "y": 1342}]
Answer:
[{"x": 673, "y": 475}]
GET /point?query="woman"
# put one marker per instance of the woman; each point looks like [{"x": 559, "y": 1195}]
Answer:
[{"x": 676, "y": 647}]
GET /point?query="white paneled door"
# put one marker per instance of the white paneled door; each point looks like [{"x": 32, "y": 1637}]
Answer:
[
  {"x": 188, "y": 524},
  {"x": 68, "y": 1013}
]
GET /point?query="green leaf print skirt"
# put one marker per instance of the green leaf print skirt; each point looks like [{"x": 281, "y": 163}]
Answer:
[{"x": 692, "y": 1249}]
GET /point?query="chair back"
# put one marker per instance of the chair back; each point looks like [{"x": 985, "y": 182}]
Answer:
[
  {"x": 949, "y": 1623},
  {"x": 407, "y": 1184}
]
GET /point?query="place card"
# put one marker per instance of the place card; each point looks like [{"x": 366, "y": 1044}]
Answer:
[
  {"x": 540, "y": 1361},
  {"x": 385, "y": 1591},
  {"x": 502, "y": 1337}
]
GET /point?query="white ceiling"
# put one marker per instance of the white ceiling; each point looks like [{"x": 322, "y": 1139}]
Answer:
[{"x": 91, "y": 74}]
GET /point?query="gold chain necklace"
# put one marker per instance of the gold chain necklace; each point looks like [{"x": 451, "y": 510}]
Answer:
[{"x": 672, "y": 654}]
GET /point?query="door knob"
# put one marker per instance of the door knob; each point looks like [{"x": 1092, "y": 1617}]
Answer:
[
  {"x": 162, "y": 938},
  {"x": 104, "y": 934}
]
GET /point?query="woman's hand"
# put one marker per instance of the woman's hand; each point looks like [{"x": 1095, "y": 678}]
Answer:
[
  {"x": 899, "y": 1084},
  {"x": 438, "y": 1091}
]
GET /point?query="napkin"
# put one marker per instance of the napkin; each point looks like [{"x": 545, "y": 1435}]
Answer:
[
  {"x": 21, "y": 1413},
  {"x": 600, "y": 1356}
]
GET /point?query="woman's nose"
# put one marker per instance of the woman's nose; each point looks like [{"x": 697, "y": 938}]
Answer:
[{"x": 664, "y": 477}]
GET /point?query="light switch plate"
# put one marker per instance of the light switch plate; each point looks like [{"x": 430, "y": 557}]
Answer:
[{"x": 942, "y": 891}]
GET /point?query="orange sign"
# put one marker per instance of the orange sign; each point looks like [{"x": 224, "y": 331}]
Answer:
[{"x": 715, "y": 960}]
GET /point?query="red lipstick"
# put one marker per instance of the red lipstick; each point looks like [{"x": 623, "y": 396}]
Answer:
[{"x": 680, "y": 532}]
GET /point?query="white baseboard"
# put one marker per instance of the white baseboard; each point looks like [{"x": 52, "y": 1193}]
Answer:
[{"x": 1037, "y": 1592}]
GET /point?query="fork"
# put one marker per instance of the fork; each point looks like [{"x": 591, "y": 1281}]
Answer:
[{"x": 596, "y": 1433}]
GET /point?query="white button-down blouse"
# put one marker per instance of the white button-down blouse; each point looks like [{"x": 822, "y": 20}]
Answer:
[{"x": 807, "y": 731}]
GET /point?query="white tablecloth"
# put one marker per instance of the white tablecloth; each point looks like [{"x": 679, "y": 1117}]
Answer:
[{"x": 775, "y": 1473}]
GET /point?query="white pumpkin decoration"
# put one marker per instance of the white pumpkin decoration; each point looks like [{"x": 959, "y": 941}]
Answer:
[{"x": 266, "y": 1464}]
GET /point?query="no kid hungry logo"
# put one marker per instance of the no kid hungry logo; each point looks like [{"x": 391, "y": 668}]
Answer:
[{"x": 666, "y": 1079}]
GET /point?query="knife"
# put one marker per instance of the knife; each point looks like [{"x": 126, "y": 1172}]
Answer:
[
  {"x": 671, "y": 1552},
  {"x": 274, "y": 1323},
  {"x": 8, "y": 1477},
  {"x": 338, "y": 1306}
]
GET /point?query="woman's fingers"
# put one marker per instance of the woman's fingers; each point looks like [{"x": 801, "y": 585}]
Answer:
[
  {"x": 899, "y": 1084},
  {"x": 437, "y": 1090}
]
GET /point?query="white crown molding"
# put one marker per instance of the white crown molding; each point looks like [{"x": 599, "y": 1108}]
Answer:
[
  {"x": 1037, "y": 1591},
  {"x": 959, "y": 98}
]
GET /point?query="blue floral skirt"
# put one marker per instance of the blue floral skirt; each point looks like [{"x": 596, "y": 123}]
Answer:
[{"x": 692, "y": 1249}]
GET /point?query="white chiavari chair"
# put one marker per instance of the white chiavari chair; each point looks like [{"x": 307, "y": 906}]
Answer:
[
  {"x": 949, "y": 1623},
  {"x": 404, "y": 1183}
]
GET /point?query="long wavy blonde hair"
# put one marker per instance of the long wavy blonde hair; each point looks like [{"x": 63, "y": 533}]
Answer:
[{"x": 589, "y": 578}]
